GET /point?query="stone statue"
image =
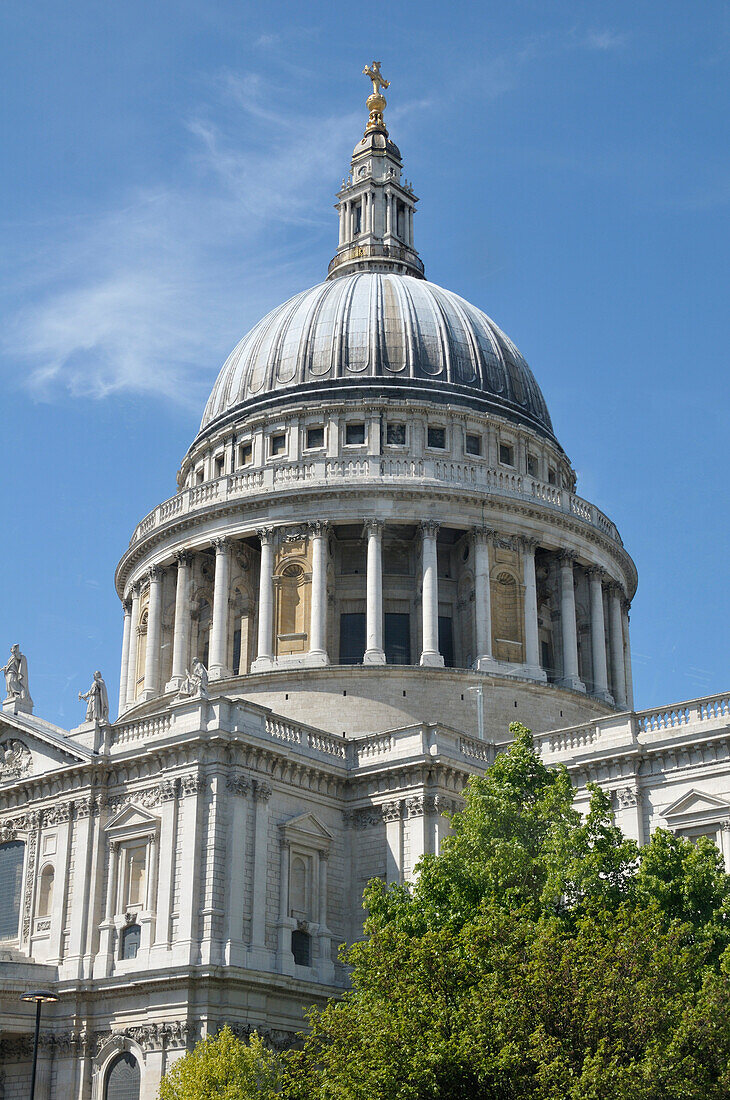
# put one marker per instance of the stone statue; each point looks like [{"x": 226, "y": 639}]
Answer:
[
  {"x": 97, "y": 706},
  {"x": 16, "y": 676},
  {"x": 195, "y": 684}
]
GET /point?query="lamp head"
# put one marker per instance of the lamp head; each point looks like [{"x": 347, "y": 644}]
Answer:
[{"x": 39, "y": 996}]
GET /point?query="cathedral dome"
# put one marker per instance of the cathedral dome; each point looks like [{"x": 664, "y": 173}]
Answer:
[{"x": 378, "y": 331}]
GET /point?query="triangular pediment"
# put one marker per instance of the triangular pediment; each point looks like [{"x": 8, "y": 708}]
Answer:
[
  {"x": 132, "y": 820},
  {"x": 696, "y": 804},
  {"x": 307, "y": 826},
  {"x": 30, "y": 747}
]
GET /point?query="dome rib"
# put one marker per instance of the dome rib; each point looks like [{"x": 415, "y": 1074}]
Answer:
[{"x": 377, "y": 329}]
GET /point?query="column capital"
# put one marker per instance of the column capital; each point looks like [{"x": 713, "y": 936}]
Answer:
[
  {"x": 430, "y": 528},
  {"x": 529, "y": 543},
  {"x": 596, "y": 573},
  {"x": 318, "y": 528},
  {"x": 567, "y": 559},
  {"x": 374, "y": 527},
  {"x": 625, "y": 605},
  {"x": 127, "y": 606},
  {"x": 183, "y": 558},
  {"x": 222, "y": 544},
  {"x": 135, "y": 590},
  {"x": 615, "y": 590},
  {"x": 481, "y": 533},
  {"x": 266, "y": 535},
  {"x": 155, "y": 573},
  {"x": 262, "y": 791}
]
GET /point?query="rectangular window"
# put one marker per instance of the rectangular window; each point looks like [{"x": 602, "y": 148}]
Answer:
[
  {"x": 446, "y": 640},
  {"x": 245, "y": 454},
  {"x": 397, "y": 638},
  {"x": 506, "y": 454},
  {"x": 437, "y": 438},
  {"x": 352, "y": 638},
  {"x": 358, "y": 218},
  {"x": 301, "y": 947},
  {"x": 11, "y": 882},
  {"x": 218, "y": 465},
  {"x": 278, "y": 443},
  {"x": 354, "y": 434},
  {"x": 199, "y": 476},
  {"x": 315, "y": 438},
  {"x": 531, "y": 465},
  {"x": 136, "y": 866},
  {"x": 552, "y": 476},
  {"x": 473, "y": 444},
  {"x": 395, "y": 435}
]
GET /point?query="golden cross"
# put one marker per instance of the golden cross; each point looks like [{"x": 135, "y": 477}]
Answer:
[{"x": 379, "y": 81}]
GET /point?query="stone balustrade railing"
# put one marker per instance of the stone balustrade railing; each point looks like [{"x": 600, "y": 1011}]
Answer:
[{"x": 373, "y": 469}]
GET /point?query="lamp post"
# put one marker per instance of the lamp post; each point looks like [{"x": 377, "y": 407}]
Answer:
[
  {"x": 479, "y": 689},
  {"x": 39, "y": 996}
]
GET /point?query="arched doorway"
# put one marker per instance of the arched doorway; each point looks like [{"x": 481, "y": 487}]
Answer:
[{"x": 123, "y": 1078}]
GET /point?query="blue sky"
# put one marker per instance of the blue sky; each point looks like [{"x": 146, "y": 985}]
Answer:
[{"x": 169, "y": 173}]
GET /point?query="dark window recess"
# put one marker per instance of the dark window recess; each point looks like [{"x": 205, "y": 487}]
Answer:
[
  {"x": 130, "y": 941},
  {"x": 123, "y": 1079},
  {"x": 11, "y": 881},
  {"x": 354, "y": 434},
  {"x": 532, "y": 465},
  {"x": 219, "y": 463},
  {"x": 245, "y": 454},
  {"x": 358, "y": 218},
  {"x": 352, "y": 638},
  {"x": 552, "y": 476},
  {"x": 397, "y": 638},
  {"x": 395, "y": 435},
  {"x": 315, "y": 438},
  {"x": 437, "y": 438},
  {"x": 278, "y": 444},
  {"x": 506, "y": 454},
  {"x": 446, "y": 639},
  {"x": 473, "y": 444},
  {"x": 301, "y": 948},
  {"x": 236, "y": 650}
]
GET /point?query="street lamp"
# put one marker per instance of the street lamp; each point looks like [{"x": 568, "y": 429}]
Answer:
[{"x": 40, "y": 996}]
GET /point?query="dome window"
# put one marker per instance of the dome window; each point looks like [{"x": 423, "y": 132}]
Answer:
[
  {"x": 395, "y": 435},
  {"x": 245, "y": 454},
  {"x": 315, "y": 438},
  {"x": 506, "y": 454},
  {"x": 218, "y": 465},
  {"x": 354, "y": 435},
  {"x": 531, "y": 465},
  {"x": 552, "y": 476},
  {"x": 473, "y": 444},
  {"x": 278, "y": 444},
  {"x": 437, "y": 438}
]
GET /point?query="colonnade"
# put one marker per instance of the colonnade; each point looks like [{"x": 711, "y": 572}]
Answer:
[
  {"x": 374, "y": 210},
  {"x": 614, "y": 656}
]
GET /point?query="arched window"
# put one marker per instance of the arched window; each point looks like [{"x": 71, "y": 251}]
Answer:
[
  {"x": 45, "y": 892},
  {"x": 11, "y": 884},
  {"x": 131, "y": 936},
  {"x": 122, "y": 1079},
  {"x": 298, "y": 887}
]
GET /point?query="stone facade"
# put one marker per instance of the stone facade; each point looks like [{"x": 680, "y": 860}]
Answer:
[{"x": 375, "y": 561}]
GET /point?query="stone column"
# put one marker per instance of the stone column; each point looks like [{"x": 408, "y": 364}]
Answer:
[
  {"x": 218, "y": 667},
  {"x": 627, "y": 656},
  {"x": 568, "y": 624},
  {"x": 317, "y": 655},
  {"x": 181, "y": 631},
  {"x": 374, "y": 652},
  {"x": 126, "y": 643},
  {"x": 598, "y": 635},
  {"x": 133, "y": 645},
  {"x": 616, "y": 642},
  {"x": 238, "y": 788},
  {"x": 264, "y": 656},
  {"x": 532, "y": 635},
  {"x": 430, "y": 596},
  {"x": 482, "y": 599},
  {"x": 154, "y": 633},
  {"x": 325, "y": 966}
]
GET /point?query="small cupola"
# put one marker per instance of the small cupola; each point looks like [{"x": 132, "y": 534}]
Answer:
[{"x": 376, "y": 203}]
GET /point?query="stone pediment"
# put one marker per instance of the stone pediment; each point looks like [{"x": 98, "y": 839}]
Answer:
[
  {"x": 696, "y": 805},
  {"x": 30, "y": 747},
  {"x": 132, "y": 821},
  {"x": 307, "y": 829}
]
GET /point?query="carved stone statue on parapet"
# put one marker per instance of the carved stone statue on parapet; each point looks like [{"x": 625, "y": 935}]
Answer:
[
  {"x": 195, "y": 684},
  {"x": 97, "y": 705},
  {"x": 16, "y": 681}
]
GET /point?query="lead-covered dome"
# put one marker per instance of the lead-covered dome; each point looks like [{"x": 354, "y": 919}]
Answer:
[{"x": 398, "y": 335}]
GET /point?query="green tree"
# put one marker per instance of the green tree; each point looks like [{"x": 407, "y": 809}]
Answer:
[
  {"x": 539, "y": 956},
  {"x": 223, "y": 1067}
]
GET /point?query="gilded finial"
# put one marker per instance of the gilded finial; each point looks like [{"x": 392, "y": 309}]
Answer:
[{"x": 376, "y": 102}]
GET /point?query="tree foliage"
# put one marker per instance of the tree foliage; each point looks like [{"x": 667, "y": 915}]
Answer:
[
  {"x": 539, "y": 956},
  {"x": 223, "y": 1067}
]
